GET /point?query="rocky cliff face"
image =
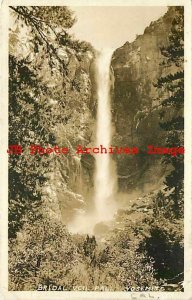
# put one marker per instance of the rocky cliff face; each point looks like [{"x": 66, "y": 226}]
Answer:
[
  {"x": 71, "y": 181},
  {"x": 136, "y": 67}
]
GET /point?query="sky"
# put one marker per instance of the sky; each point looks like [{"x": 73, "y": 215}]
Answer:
[{"x": 112, "y": 26}]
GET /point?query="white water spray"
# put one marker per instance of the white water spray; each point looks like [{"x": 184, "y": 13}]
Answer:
[
  {"x": 105, "y": 175},
  {"x": 105, "y": 179}
]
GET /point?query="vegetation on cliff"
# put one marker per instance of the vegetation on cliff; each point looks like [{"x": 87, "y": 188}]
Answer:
[
  {"x": 165, "y": 243},
  {"x": 50, "y": 88},
  {"x": 44, "y": 96},
  {"x": 171, "y": 114}
]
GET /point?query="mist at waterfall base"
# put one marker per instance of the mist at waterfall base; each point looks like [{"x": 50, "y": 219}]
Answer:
[{"x": 105, "y": 178}]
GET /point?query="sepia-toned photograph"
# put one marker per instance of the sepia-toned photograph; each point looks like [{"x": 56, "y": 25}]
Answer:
[{"x": 96, "y": 149}]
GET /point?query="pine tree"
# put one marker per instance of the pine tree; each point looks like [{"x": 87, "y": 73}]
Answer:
[
  {"x": 171, "y": 115},
  {"x": 31, "y": 116},
  {"x": 42, "y": 97}
]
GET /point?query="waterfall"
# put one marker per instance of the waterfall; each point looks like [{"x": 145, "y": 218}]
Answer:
[
  {"x": 105, "y": 175},
  {"x": 105, "y": 179}
]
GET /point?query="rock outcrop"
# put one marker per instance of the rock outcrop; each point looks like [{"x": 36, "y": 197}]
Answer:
[
  {"x": 137, "y": 67},
  {"x": 70, "y": 185}
]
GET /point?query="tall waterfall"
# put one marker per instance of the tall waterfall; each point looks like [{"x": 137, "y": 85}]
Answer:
[
  {"x": 105, "y": 175},
  {"x": 105, "y": 179}
]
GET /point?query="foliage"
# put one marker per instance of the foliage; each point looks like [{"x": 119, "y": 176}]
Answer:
[
  {"x": 172, "y": 120},
  {"x": 42, "y": 23},
  {"x": 48, "y": 29},
  {"x": 43, "y": 253},
  {"x": 42, "y": 99},
  {"x": 165, "y": 245},
  {"x": 29, "y": 123},
  {"x": 140, "y": 254},
  {"x": 123, "y": 266},
  {"x": 164, "y": 241},
  {"x": 46, "y": 98}
]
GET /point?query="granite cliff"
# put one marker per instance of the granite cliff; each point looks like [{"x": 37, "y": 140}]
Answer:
[
  {"x": 70, "y": 184},
  {"x": 136, "y": 68}
]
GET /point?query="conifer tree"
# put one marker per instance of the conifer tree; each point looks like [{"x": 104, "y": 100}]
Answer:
[{"x": 171, "y": 114}]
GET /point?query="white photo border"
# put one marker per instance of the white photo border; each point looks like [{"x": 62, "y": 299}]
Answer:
[{"x": 23, "y": 295}]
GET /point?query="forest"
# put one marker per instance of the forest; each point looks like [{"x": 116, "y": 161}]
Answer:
[{"x": 52, "y": 102}]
